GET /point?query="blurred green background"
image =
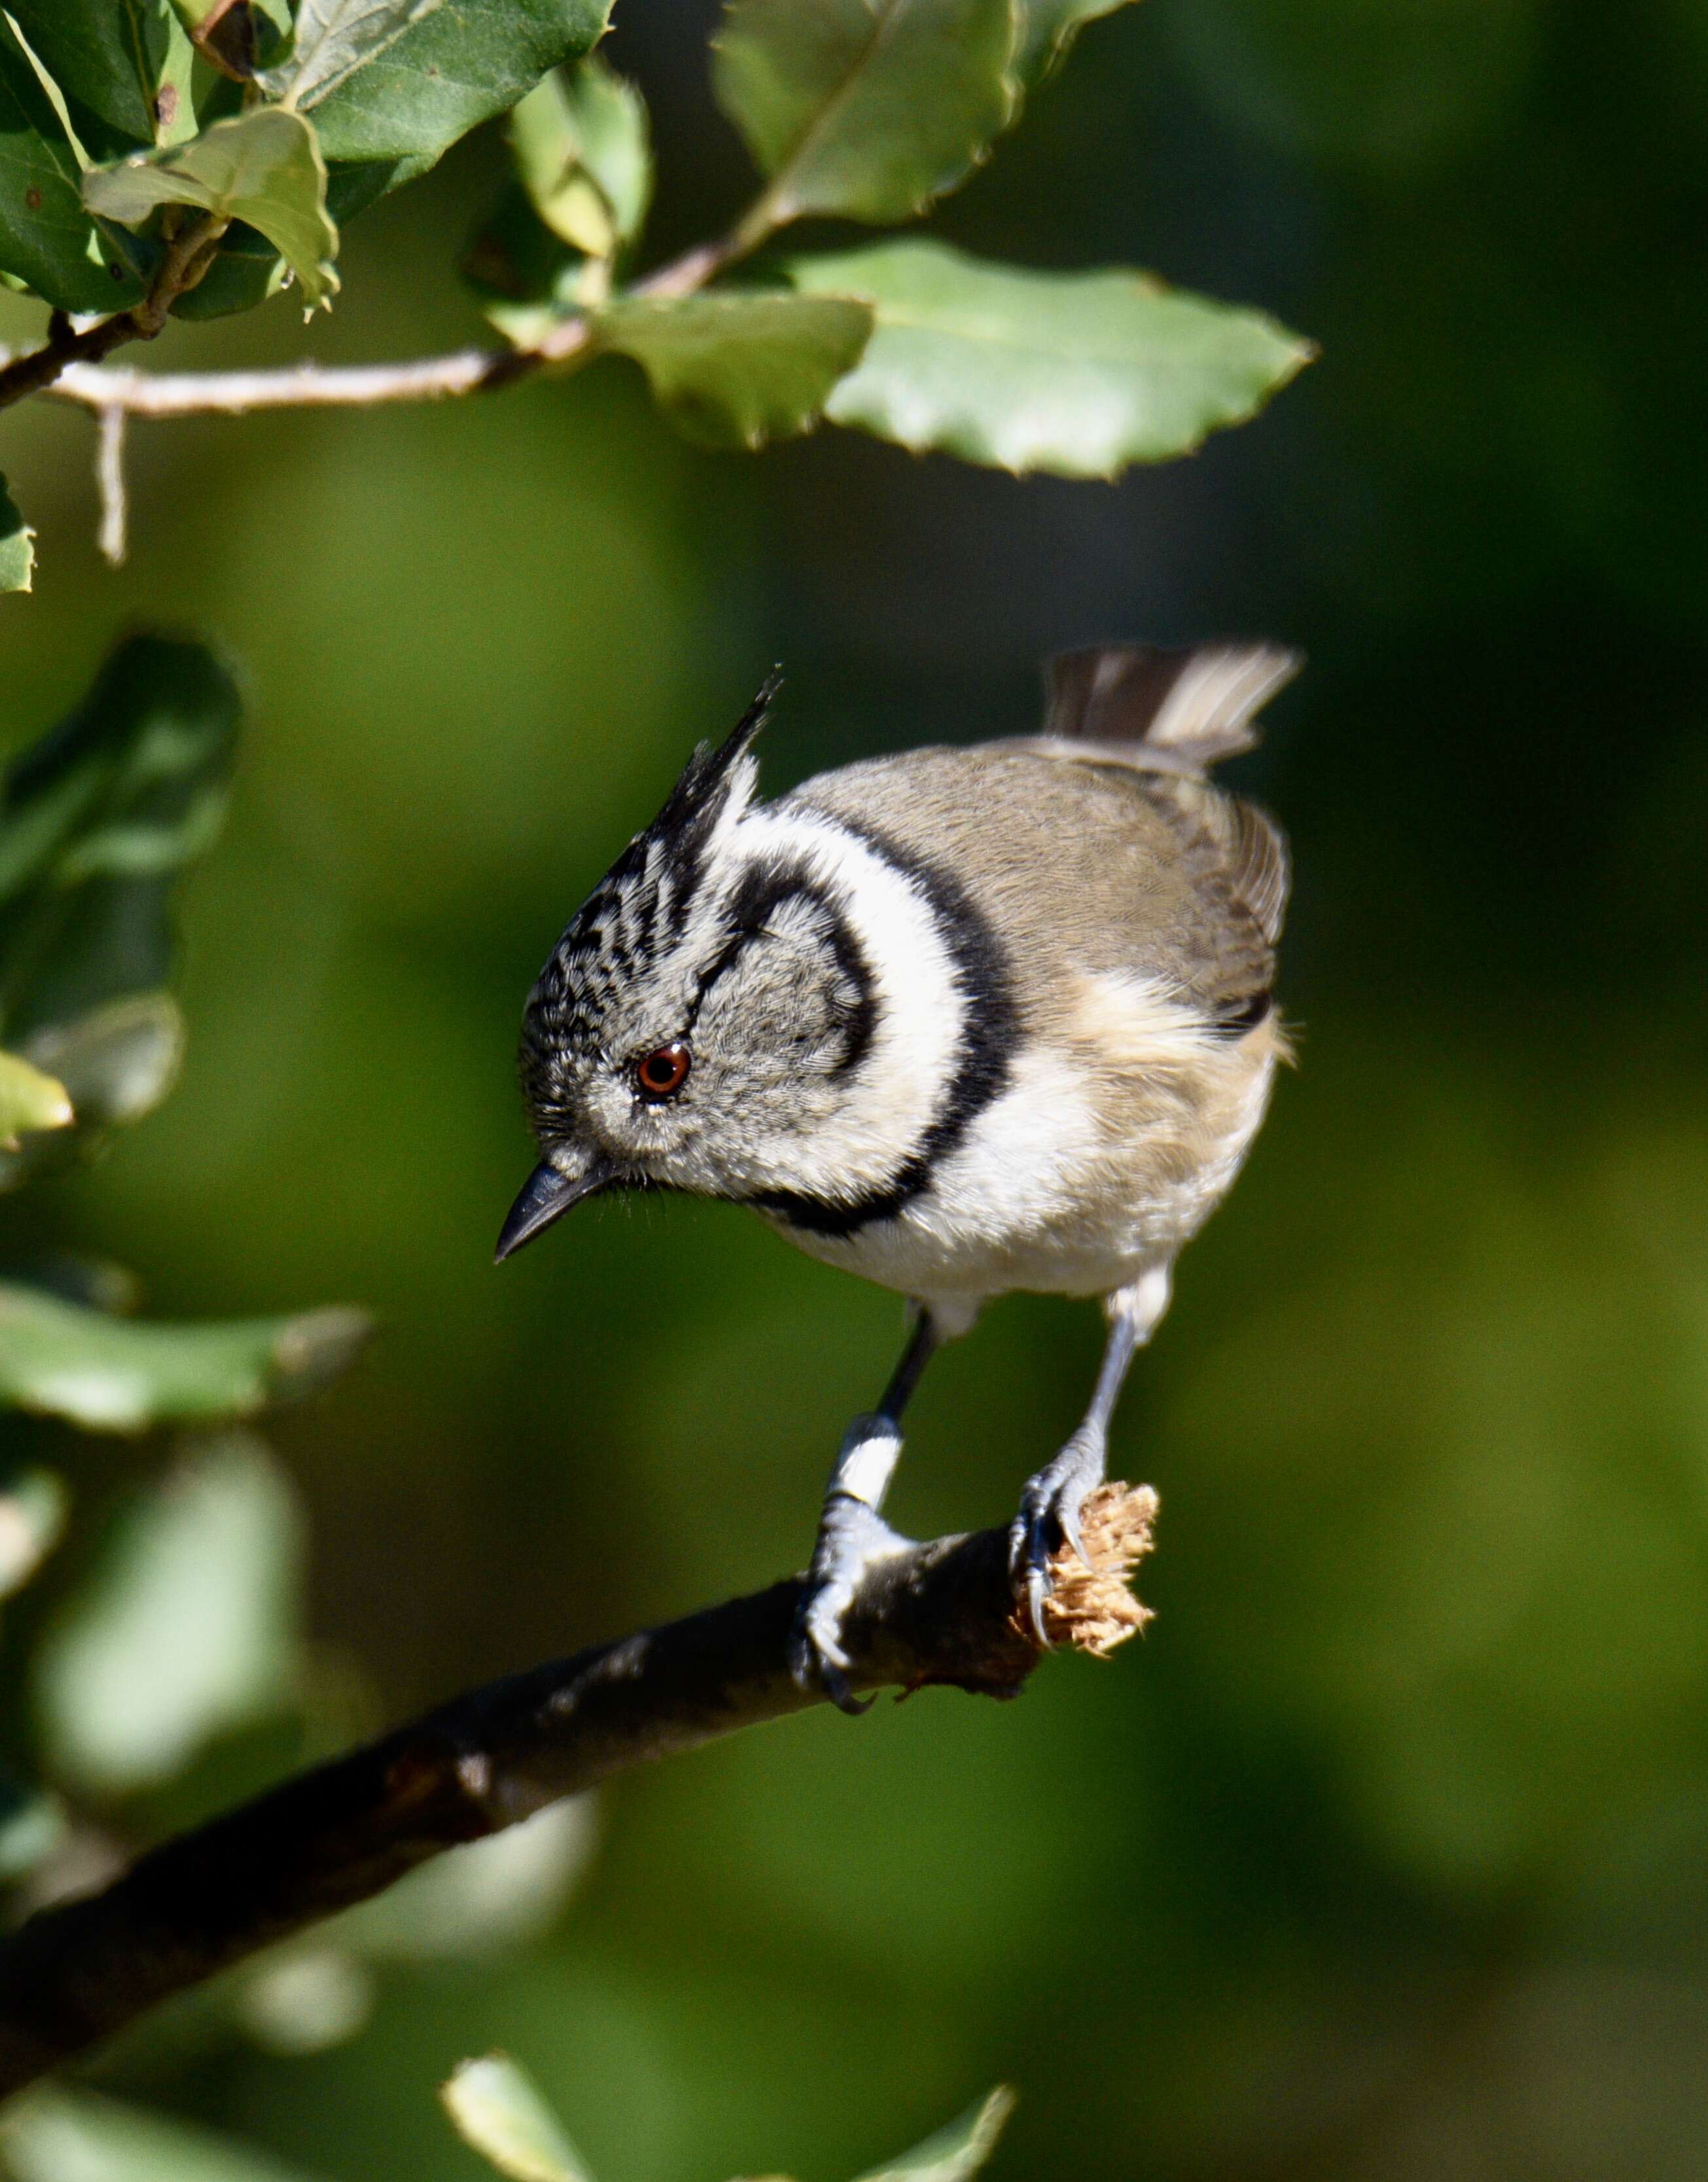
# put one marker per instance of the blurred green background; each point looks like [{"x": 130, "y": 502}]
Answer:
[{"x": 1385, "y": 1854}]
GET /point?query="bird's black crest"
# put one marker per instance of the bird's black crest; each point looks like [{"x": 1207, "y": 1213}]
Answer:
[
  {"x": 640, "y": 908},
  {"x": 699, "y": 796}
]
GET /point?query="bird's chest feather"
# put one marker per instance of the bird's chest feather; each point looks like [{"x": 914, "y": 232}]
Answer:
[{"x": 1112, "y": 1143}]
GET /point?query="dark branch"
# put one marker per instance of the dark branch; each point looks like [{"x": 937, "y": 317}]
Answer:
[
  {"x": 943, "y": 1612},
  {"x": 186, "y": 259}
]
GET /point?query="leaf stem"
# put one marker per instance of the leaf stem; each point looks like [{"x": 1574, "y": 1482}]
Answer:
[{"x": 187, "y": 258}]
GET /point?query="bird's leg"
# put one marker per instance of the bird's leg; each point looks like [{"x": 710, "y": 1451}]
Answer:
[
  {"x": 852, "y": 1534},
  {"x": 1049, "y": 1509}
]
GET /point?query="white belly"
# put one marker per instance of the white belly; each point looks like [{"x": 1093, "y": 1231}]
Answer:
[{"x": 1067, "y": 1184}]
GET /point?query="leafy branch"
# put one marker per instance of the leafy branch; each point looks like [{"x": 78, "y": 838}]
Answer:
[{"x": 276, "y": 138}]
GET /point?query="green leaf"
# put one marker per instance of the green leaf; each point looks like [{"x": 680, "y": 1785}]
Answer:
[
  {"x": 1078, "y": 373},
  {"x": 334, "y": 38},
  {"x": 459, "y": 65},
  {"x": 96, "y": 820},
  {"x": 262, "y": 167},
  {"x": 111, "y": 57},
  {"x": 55, "y": 2135},
  {"x": 117, "y": 1063},
  {"x": 122, "y": 1374},
  {"x": 528, "y": 279},
  {"x": 480, "y": 1899},
  {"x": 32, "y": 1825},
  {"x": 954, "y": 2152},
  {"x": 32, "y": 1517},
  {"x": 1047, "y": 29},
  {"x": 865, "y": 108},
  {"x": 498, "y": 2110},
  {"x": 17, "y": 545},
  {"x": 734, "y": 370},
  {"x": 248, "y": 269},
  {"x": 29, "y": 1100},
  {"x": 47, "y": 238},
  {"x": 186, "y": 1628},
  {"x": 579, "y": 140}
]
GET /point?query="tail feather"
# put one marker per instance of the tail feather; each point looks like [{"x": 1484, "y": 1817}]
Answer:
[{"x": 1185, "y": 709}]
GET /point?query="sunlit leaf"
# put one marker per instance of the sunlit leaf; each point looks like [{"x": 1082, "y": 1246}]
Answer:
[
  {"x": 17, "y": 545},
  {"x": 334, "y": 38},
  {"x": 56, "y": 2136},
  {"x": 498, "y": 2110},
  {"x": 1079, "y": 373},
  {"x": 955, "y": 2152},
  {"x": 866, "y": 108},
  {"x": 185, "y": 1629},
  {"x": 1047, "y": 29},
  {"x": 579, "y": 140},
  {"x": 736, "y": 370},
  {"x": 32, "y": 1516},
  {"x": 457, "y": 66},
  {"x": 47, "y": 239},
  {"x": 29, "y": 1100},
  {"x": 117, "y": 1063},
  {"x": 262, "y": 167},
  {"x": 121, "y": 1375}
]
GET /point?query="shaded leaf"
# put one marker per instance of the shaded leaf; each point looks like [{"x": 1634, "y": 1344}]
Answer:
[
  {"x": 305, "y": 2001},
  {"x": 475, "y": 1902},
  {"x": 32, "y": 1517},
  {"x": 56, "y": 2136},
  {"x": 481, "y": 1898},
  {"x": 334, "y": 38},
  {"x": 527, "y": 278},
  {"x": 459, "y": 65},
  {"x": 185, "y": 1628},
  {"x": 865, "y": 108},
  {"x": 96, "y": 819},
  {"x": 579, "y": 140},
  {"x": 111, "y": 57},
  {"x": 1047, "y": 29},
  {"x": 1079, "y": 373},
  {"x": 29, "y": 1100},
  {"x": 497, "y": 2108},
  {"x": 119, "y": 1375},
  {"x": 735, "y": 370},
  {"x": 32, "y": 1825},
  {"x": 955, "y": 2152},
  {"x": 262, "y": 167},
  {"x": 47, "y": 239},
  {"x": 17, "y": 545}
]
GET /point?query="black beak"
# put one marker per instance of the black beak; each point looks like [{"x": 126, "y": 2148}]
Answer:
[{"x": 546, "y": 1196}]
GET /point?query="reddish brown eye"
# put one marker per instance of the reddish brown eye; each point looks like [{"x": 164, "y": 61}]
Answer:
[{"x": 662, "y": 1074}]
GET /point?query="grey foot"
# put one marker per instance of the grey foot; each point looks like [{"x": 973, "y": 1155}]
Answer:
[
  {"x": 851, "y": 1536},
  {"x": 1049, "y": 1519}
]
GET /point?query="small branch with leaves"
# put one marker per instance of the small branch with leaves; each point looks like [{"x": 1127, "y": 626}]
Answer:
[
  {"x": 231, "y": 156},
  {"x": 939, "y": 1614}
]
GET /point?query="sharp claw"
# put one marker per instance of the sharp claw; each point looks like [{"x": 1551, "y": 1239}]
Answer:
[
  {"x": 1069, "y": 1518},
  {"x": 1037, "y": 1590},
  {"x": 837, "y": 1689}
]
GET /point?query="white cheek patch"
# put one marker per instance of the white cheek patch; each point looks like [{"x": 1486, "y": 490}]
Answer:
[{"x": 921, "y": 1008}]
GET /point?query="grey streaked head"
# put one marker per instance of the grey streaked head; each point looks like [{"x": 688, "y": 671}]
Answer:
[{"x": 690, "y": 1025}]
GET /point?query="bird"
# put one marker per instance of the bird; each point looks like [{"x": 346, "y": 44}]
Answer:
[{"x": 962, "y": 1019}]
